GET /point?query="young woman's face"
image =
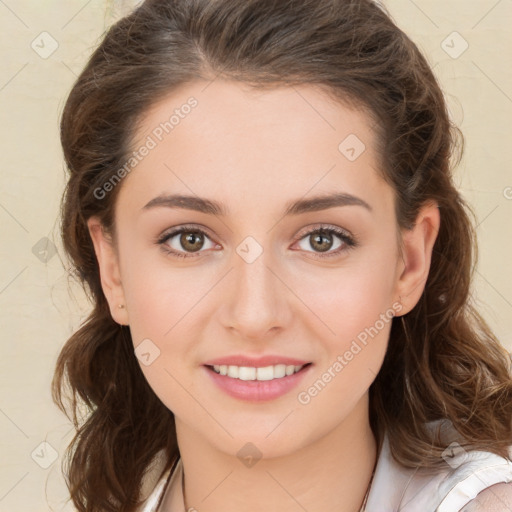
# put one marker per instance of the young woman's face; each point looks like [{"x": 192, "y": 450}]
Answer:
[{"x": 250, "y": 281}]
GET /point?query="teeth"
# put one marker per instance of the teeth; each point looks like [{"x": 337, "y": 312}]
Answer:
[
  {"x": 280, "y": 371},
  {"x": 250, "y": 373},
  {"x": 290, "y": 369},
  {"x": 265, "y": 373},
  {"x": 245, "y": 373},
  {"x": 233, "y": 372}
]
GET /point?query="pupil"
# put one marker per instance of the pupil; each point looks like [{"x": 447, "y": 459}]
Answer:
[
  {"x": 188, "y": 240},
  {"x": 318, "y": 239}
]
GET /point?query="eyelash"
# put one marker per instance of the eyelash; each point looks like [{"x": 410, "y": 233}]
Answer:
[{"x": 349, "y": 240}]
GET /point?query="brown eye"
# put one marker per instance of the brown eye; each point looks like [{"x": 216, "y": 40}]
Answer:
[
  {"x": 327, "y": 241},
  {"x": 321, "y": 241},
  {"x": 191, "y": 240}
]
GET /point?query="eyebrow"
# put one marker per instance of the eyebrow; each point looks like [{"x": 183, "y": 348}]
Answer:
[{"x": 208, "y": 206}]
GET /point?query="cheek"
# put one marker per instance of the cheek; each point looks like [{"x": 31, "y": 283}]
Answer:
[
  {"x": 161, "y": 309},
  {"x": 352, "y": 297},
  {"x": 163, "y": 304},
  {"x": 160, "y": 294},
  {"x": 357, "y": 314}
]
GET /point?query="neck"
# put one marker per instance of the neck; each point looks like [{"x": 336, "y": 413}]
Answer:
[{"x": 332, "y": 473}]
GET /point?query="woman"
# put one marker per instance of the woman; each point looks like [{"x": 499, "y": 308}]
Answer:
[{"x": 261, "y": 205}]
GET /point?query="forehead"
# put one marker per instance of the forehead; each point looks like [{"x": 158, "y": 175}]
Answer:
[
  {"x": 234, "y": 109},
  {"x": 213, "y": 138}
]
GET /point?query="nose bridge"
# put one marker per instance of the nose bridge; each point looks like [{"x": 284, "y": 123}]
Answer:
[{"x": 257, "y": 300}]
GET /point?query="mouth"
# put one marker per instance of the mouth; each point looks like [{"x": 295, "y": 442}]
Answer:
[
  {"x": 257, "y": 383},
  {"x": 253, "y": 373}
]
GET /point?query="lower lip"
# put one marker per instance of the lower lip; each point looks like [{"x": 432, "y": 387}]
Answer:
[{"x": 257, "y": 390}]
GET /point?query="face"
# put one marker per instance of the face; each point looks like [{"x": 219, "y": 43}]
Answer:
[{"x": 252, "y": 274}]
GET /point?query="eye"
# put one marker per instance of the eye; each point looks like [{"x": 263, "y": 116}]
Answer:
[
  {"x": 190, "y": 241},
  {"x": 323, "y": 239}
]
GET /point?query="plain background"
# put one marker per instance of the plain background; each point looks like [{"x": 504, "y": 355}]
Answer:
[{"x": 467, "y": 42}]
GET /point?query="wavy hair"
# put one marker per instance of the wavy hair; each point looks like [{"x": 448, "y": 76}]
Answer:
[{"x": 443, "y": 361}]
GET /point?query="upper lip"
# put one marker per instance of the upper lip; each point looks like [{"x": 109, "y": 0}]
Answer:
[{"x": 255, "y": 362}]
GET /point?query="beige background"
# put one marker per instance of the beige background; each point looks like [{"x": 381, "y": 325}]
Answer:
[{"x": 38, "y": 313}]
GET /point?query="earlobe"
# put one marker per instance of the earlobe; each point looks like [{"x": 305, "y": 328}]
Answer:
[
  {"x": 110, "y": 275},
  {"x": 417, "y": 247}
]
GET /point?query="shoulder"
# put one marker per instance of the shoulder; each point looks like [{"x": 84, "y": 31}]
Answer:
[
  {"x": 468, "y": 481},
  {"x": 475, "y": 481},
  {"x": 496, "y": 498}
]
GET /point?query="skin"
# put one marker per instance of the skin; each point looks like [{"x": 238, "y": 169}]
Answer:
[{"x": 254, "y": 151}]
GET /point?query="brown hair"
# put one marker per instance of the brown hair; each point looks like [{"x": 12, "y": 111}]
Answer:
[{"x": 443, "y": 360}]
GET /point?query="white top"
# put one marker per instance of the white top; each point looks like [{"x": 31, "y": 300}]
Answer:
[{"x": 394, "y": 488}]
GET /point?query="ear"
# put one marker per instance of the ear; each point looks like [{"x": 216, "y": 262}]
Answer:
[
  {"x": 110, "y": 275},
  {"x": 417, "y": 246}
]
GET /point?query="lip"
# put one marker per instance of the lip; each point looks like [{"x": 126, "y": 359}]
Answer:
[
  {"x": 255, "y": 362},
  {"x": 257, "y": 390}
]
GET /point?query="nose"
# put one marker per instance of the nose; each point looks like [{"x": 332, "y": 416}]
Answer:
[{"x": 257, "y": 299}]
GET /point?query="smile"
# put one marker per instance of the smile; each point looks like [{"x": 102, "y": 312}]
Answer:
[
  {"x": 257, "y": 383},
  {"x": 277, "y": 371}
]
